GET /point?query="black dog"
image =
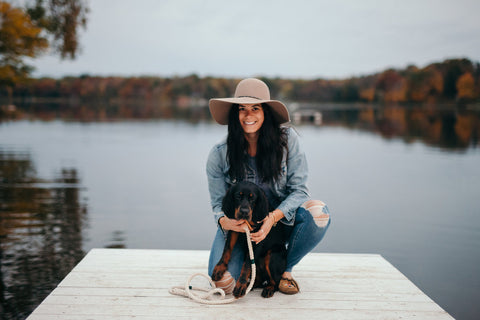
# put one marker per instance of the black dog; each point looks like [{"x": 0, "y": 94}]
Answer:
[{"x": 246, "y": 201}]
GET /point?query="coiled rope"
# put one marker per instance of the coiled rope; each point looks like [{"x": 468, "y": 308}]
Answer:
[{"x": 207, "y": 298}]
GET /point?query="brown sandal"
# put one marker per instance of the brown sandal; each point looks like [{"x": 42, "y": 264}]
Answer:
[{"x": 288, "y": 286}]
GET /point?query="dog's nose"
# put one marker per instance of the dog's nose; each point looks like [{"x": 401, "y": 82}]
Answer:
[{"x": 244, "y": 212}]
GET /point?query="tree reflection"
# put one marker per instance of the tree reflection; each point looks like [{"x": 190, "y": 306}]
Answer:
[
  {"x": 40, "y": 232},
  {"x": 449, "y": 128}
]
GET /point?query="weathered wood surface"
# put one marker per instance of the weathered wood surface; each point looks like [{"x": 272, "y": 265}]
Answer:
[{"x": 133, "y": 284}]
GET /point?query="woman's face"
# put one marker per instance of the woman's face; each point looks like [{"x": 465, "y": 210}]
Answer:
[{"x": 251, "y": 117}]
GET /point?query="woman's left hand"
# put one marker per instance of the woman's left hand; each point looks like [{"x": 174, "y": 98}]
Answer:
[{"x": 261, "y": 234}]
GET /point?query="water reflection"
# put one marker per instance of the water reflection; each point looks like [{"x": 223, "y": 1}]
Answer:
[
  {"x": 41, "y": 225},
  {"x": 118, "y": 240},
  {"x": 451, "y": 128},
  {"x": 448, "y": 127},
  {"x": 111, "y": 111}
]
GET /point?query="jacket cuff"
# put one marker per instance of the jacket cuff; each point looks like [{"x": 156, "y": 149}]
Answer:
[
  {"x": 287, "y": 212},
  {"x": 217, "y": 216}
]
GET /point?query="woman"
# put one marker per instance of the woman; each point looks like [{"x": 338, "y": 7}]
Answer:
[{"x": 258, "y": 149}]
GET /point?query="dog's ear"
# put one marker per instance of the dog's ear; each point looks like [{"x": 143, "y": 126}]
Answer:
[
  {"x": 260, "y": 210},
  {"x": 228, "y": 203}
]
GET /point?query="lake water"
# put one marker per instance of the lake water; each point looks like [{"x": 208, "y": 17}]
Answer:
[{"x": 67, "y": 186}]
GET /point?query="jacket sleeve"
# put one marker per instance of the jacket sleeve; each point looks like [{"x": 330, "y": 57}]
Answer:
[
  {"x": 217, "y": 186},
  {"x": 296, "y": 175}
]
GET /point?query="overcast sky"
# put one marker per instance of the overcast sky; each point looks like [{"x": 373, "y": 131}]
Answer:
[{"x": 296, "y": 38}]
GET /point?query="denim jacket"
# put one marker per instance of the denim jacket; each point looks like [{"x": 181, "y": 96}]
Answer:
[{"x": 290, "y": 189}]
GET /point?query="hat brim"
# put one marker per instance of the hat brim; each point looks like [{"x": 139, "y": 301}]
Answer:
[{"x": 220, "y": 108}]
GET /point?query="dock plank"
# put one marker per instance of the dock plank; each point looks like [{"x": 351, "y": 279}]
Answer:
[{"x": 127, "y": 284}]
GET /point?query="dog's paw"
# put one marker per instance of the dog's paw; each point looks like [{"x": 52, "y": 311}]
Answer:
[
  {"x": 218, "y": 272},
  {"x": 268, "y": 291},
  {"x": 240, "y": 289}
]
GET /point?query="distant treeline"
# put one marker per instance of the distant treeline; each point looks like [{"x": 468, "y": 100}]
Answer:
[{"x": 454, "y": 80}]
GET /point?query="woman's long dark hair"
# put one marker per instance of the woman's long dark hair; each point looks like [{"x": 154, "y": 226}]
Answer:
[{"x": 272, "y": 143}]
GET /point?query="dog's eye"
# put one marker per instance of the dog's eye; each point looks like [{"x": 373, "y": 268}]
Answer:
[{"x": 250, "y": 195}]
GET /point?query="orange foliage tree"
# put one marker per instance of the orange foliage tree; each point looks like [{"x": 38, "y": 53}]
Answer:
[
  {"x": 424, "y": 84},
  {"x": 429, "y": 84},
  {"x": 392, "y": 86},
  {"x": 19, "y": 37},
  {"x": 466, "y": 86},
  {"x": 28, "y": 32}
]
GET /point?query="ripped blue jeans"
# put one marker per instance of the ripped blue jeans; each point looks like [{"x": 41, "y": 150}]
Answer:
[{"x": 305, "y": 234}]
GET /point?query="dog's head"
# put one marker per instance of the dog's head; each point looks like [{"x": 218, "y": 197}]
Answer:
[{"x": 245, "y": 201}]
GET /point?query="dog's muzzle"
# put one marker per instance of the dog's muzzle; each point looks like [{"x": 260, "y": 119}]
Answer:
[{"x": 244, "y": 212}]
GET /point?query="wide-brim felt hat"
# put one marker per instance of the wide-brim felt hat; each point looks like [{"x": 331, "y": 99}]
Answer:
[{"x": 248, "y": 91}]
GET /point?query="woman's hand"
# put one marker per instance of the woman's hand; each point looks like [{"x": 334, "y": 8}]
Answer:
[
  {"x": 274, "y": 216},
  {"x": 232, "y": 224},
  {"x": 261, "y": 234}
]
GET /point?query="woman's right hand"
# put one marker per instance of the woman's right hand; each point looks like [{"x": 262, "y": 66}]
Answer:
[{"x": 232, "y": 224}]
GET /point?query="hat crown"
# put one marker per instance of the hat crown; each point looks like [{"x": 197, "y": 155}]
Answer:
[{"x": 252, "y": 88}]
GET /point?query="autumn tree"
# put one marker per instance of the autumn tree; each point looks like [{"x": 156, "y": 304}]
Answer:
[
  {"x": 424, "y": 84},
  {"x": 452, "y": 70},
  {"x": 61, "y": 19},
  {"x": 465, "y": 87},
  {"x": 366, "y": 88},
  {"x": 19, "y": 38},
  {"x": 392, "y": 86},
  {"x": 28, "y": 32}
]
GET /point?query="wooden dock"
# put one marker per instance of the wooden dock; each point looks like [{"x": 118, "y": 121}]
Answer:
[{"x": 133, "y": 284}]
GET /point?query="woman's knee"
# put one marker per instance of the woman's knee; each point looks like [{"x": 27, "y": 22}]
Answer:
[
  {"x": 319, "y": 212},
  {"x": 312, "y": 220}
]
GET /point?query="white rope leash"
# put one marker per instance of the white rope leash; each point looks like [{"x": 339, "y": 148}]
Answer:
[{"x": 207, "y": 298}]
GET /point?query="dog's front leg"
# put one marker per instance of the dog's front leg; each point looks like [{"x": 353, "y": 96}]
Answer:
[
  {"x": 269, "y": 289},
  {"x": 242, "y": 283},
  {"x": 222, "y": 265}
]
